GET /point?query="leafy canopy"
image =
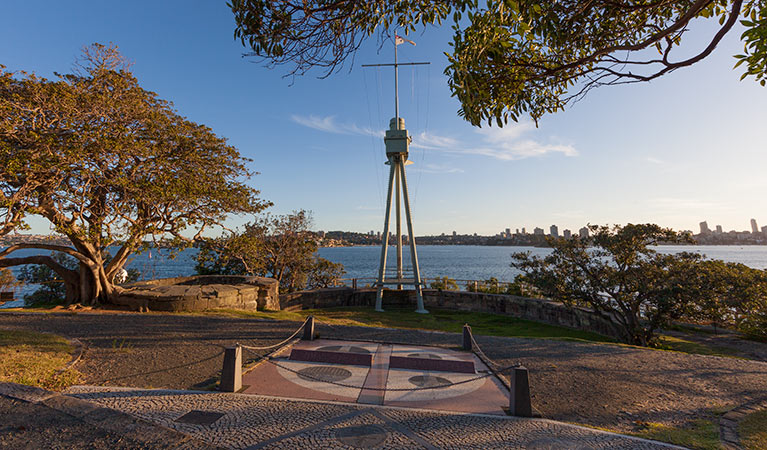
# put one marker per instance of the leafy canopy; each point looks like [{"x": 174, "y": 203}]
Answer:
[
  {"x": 511, "y": 58},
  {"x": 107, "y": 162},
  {"x": 618, "y": 275}
]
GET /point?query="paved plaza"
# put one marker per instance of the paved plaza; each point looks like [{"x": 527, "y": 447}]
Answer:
[
  {"x": 380, "y": 374},
  {"x": 255, "y": 421}
]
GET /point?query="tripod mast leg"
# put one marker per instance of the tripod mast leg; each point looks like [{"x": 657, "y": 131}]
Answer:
[
  {"x": 413, "y": 252},
  {"x": 385, "y": 241}
]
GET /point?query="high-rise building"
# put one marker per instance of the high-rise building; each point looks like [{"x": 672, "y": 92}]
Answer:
[
  {"x": 567, "y": 234},
  {"x": 764, "y": 230},
  {"x": 538, "y": 231},
  {"x": 508, "y": 232},
  {"x": 704, "y": 228},
  {"x": 554, "y": 231},
  {"x": 718, "y": 229},
  {"x": 523, "y": 230},
  {"x": 517, "y": 231},
  {"x": 583, "y": 232},
  {"x": 454, "y": 233},
  {"x": 754, "y": 228}
]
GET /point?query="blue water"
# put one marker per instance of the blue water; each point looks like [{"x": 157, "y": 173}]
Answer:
[{"x": 455, "y": 261}]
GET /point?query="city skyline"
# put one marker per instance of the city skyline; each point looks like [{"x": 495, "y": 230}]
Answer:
[{"x": 649, "y": 153}]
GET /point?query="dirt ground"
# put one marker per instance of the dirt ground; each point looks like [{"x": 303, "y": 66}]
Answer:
[{"x": 602, "y": 385}]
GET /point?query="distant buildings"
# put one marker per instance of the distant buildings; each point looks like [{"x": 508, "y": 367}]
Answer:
[
  {"x": 704, "y": 228},
  {"x": 567, "y": 234},
  {"x": 554, "y": 231},
  {"x": 754, "y": 227},
  {"x": 538, "y": 231},
  {"x": 583, "y": 232},
  {"x": 718, "y": 229}
]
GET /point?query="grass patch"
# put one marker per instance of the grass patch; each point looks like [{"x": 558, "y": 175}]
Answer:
[
  {"x": 753, "y": 431},
  {"x": 35, "y": 359},
  {"x": 701, "y": 434},
  {"x": 438, "y": 320},
  {"x": 683, "y": 345}
]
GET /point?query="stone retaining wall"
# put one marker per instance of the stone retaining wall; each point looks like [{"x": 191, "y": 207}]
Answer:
[
  {"x": 539, "y": 310},
  {"x": 198, "y": 293}
]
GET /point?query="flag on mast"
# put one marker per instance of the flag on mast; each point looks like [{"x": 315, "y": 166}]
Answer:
[{"x": 400, "y": 40}]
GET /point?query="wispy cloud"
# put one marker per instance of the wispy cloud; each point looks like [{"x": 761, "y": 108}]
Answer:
[
  {"x": 437, "y": 168},
  {"x": 653, "y": 160},
  {"x": 505, "y": 144},
  {"x": 329, "y": 124}
]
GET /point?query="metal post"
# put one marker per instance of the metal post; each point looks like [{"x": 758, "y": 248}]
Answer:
[
  {"x": 309, "y": 329},
  {"x": 467, "y": 338},
  {"x": 354, "y": 283},
  {"x": 413, "y": 252},
  {"x": 231, "y": 374},
  {"x": 519, "y": 395},
  {"x": 385, "y": 244},
  {"x": 399, "y": 221},
  {"x": 396, "y": 82}
]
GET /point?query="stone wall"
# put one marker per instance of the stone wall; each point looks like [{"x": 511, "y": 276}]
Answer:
[
  {"x": 539, "y": 310},
  {"x": 198, "y": 293}
]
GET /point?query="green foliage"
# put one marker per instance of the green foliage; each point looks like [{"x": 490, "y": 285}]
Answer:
[
  {"x": 444, "y": 284},
  {"x": 107, "y": 162},
  {"x": 731, "y": 295},
  {"x": 617, "y": 275},
  {"x": 493, "y": 286},
  {"x": 8, "y": 280},
  {"x": 510, "y": 58},
  {"x": 324, "y": 273},
  {"x": 51, "y": 290},
  {"x": 281, "y": 247}
]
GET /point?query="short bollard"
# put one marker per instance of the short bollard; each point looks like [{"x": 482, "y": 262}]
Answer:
[
  {"x": 309, "y": 329},
  {"x": 467, "y": 337},
  {"x": 231, "y": 375},
  {"x": 519, "y": 395}
]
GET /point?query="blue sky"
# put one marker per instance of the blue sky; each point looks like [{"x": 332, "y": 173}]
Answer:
[{"x": 688, "y": 147}]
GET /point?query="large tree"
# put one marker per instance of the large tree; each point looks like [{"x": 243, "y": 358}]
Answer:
[
  {"x": 278, "y": 246},
  {"x": 108, "y": 163},
  {"x": 512, "y": 58},
  {"x": 618, "y": 275}
]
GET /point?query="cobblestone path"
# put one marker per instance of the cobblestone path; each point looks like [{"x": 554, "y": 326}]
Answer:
[{"x": 254, "y": 422}]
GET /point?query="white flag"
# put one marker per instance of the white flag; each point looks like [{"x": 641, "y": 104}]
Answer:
[{"x": 400, "y": 40}]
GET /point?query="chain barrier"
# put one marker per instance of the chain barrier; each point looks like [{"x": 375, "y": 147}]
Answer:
[
  {"x": 269, "y": 347},
  {"x": 441, "y": 386},
  {"x": 484, "y": 357}
]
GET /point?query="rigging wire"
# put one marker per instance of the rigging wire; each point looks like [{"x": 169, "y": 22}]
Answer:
[{"x": 374, "y": 143}]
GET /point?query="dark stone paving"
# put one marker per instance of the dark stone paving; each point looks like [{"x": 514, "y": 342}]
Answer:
[{"x": 256, "y": 422}]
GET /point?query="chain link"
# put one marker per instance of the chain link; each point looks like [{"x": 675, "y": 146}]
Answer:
[{"x": 269, "y": 347}]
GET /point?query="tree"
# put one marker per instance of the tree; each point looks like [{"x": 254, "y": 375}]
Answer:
[
  {"x": 281, "y": 247},
  {"x": 617, "y": 275},
  {"x": 108, "y": 163},
  {"x": 731, "y": 295},
  {"x": 324, "y": 273},
  {"x": 8, "y": 280},
  {"x": 511, "y": 58},
  {"x": 444, "y": 284},
  {"x": 52, "y": 289}
]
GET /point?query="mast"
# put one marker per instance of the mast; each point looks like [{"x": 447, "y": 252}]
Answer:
[{"x": 397, "y": 142}]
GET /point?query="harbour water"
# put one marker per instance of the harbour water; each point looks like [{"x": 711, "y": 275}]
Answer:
[{"x": 459, "y": 262}]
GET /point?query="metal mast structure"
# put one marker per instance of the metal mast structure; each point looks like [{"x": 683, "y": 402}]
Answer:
[{"x": 397, "y": 142}]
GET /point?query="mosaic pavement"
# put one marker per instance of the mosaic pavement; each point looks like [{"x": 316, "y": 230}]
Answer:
[{"x": 254, "y": 422}]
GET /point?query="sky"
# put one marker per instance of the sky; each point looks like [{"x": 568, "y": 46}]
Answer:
[{"x": 688, "y": 147}]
